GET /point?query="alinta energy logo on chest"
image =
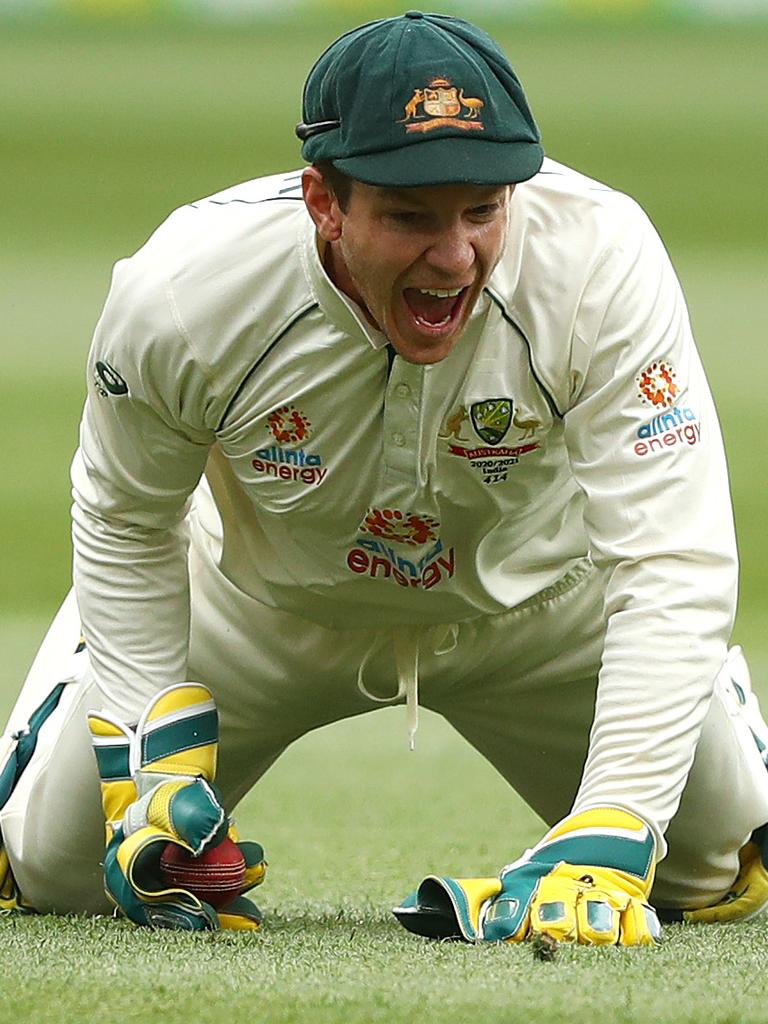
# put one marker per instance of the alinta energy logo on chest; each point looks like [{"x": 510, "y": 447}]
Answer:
[
  {"x": 491, "y": 421},
  {"x": 674, "y": 423},
  {"x": 400, "y": 527},
  {"x": 441, "y": 104},
  {"x": 373, "y": 554},
  {"x": 287, "y": 425}
]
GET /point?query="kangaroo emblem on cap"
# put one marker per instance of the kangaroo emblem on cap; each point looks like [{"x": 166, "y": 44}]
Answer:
[{"x": 442, "y": 103}]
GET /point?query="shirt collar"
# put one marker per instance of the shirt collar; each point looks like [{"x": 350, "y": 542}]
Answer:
[{"x": 339, "y": 308}]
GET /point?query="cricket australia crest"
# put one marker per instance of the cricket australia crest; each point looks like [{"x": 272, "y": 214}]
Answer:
[
  {"x": 491, "y": 418},
  {"x": 442, "y": 105}
]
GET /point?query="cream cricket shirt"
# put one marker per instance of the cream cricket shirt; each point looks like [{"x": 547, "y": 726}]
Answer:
[{"x": 573, "y": 417}]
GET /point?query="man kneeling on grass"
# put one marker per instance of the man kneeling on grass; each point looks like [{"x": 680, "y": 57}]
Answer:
[{"x": 423, "y": 422}]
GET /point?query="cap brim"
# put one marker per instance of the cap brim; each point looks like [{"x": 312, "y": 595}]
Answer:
[{"x": 447, "y": 161}]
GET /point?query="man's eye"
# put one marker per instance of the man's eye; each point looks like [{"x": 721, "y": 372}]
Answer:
[
  {"x": 486, "y": 210},
  {"x": 404, "y": 217}
]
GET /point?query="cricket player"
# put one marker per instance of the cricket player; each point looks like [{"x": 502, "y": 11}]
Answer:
[{"x": 421, "y": 423}]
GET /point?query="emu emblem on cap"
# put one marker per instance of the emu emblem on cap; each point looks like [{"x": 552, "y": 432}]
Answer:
[{"x": 444, "y": 105}]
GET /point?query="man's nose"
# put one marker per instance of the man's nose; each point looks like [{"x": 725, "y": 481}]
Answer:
[{"x": 452, "y": 252}]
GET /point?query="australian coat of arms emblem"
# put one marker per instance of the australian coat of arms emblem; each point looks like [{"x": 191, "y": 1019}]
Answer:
[{"x": 441, "y": 104}]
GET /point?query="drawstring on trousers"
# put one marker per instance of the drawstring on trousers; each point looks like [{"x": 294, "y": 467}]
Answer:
[{"x": 405, "y": 641}]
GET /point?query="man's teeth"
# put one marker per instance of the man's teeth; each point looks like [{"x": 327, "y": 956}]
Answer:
[
  {"x": 442, "y": 293},
  {"x": 433, "y": 323}
]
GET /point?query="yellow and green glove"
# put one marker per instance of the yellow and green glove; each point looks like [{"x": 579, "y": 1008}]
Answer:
[
  {"x": 587, "y": 881},
  {"x": 747, "y": 897},
  {"x": 157, "y": 786}
]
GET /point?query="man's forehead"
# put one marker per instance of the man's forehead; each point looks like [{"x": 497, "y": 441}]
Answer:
[{"x": 427, "y": 193}]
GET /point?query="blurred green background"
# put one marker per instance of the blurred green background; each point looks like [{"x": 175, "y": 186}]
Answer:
[{"x": 107, "y": 124}]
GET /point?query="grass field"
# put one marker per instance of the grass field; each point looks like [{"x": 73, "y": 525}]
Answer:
[{"x": 102, "y": 132}]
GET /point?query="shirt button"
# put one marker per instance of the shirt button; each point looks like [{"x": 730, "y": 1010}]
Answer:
[
  {"x": 402, "y": 390},
  {"x": 398, "y": 439}
]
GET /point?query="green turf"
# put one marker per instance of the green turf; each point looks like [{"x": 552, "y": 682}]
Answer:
[
  {"x": 352, "y": 965},
  {"x": 102, "y": 132},
  {"x": 351, "y": 821}
]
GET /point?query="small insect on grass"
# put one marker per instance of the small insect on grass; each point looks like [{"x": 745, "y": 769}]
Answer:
[{"x": 544, "y": 948}]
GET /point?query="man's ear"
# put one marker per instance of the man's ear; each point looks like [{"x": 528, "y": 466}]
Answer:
[{"x": 322, "y": 204}]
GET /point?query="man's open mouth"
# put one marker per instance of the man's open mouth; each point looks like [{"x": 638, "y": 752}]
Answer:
[{"x": 435, "y": 310}]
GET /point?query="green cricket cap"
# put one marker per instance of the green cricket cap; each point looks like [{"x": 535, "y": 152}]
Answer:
[{"x": 421, "y": 99}]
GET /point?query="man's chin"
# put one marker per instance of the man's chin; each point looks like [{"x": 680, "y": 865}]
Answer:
[
  {"x": 425, "y": 347},
  {"x": 422, "y": 353}
]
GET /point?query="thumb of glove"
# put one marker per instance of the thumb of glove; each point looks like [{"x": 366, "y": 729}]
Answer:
[{"x": 508, "y": 916}]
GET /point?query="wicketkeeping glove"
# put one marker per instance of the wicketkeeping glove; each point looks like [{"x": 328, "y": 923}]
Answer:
[
  {"x": 747, "y": 897},
  {"x": 587, "y": 881},
  {"x": 157, "y": 787}
]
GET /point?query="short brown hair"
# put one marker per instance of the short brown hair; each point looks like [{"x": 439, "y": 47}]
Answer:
[{"x": 339, "y": 183}]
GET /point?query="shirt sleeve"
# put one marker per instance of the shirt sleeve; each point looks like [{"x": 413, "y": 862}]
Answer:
[
  {"x": 143, "y": 447},
  {"x": 645, "y": 447}
]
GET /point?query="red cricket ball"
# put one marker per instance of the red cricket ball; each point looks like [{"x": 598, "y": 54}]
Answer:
[{"x": 216, "y": 876}]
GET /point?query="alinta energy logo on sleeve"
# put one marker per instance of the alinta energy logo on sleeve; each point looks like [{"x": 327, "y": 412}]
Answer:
[
  {"x": 674, "y": 423},
  {"x": 491, "y": 421},
  {"x": 383, "y": 531},
  {"x": 657, "y": 385},
  {"x": 287, "y": 460}
]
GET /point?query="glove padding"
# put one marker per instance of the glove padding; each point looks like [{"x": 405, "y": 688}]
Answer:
[
  {"x": 587, "y": 881},
  {"x": 157, "y": 787}
]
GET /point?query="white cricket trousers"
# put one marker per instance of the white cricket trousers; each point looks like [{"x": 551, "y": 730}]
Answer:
[{"x": 519, "y": 686}]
